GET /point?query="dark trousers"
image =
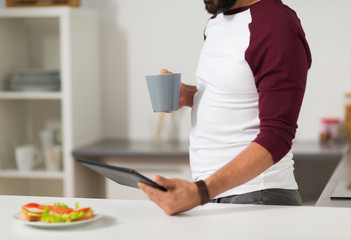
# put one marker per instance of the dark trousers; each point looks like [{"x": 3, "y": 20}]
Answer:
[{"x": 264, "y": 197}]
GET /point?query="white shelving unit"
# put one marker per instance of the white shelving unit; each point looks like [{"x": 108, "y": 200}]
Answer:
[
  {"x": 28, "y": 95},
  {"x": 32, "y": 175},
  {"x": 61, "y": 38}
]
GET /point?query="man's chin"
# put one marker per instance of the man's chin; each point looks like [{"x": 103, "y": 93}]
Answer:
[
  {"x": 210, "y": 9},
  {"x": 214, "y": 11},
  {"x": 220, "y": 7}
]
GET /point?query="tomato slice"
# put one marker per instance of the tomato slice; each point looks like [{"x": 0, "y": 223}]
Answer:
[
  {"x": 83, "y": 209},
  {"x": 33, "y": 208},
  {"x": 42, "y": 207},
  {"x": 31, "y": 205},
  {"x": 60, "y": 210}
]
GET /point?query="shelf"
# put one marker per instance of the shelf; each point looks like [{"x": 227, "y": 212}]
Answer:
[
  {"x": 22, "y": 12},
  {"x": 65, "y": 39},
  {"x": 30, "y": 95},
  {"x": 38, "y": 174}
]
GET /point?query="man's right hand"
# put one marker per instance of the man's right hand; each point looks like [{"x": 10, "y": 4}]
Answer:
[{"x": 187, "y": 92}]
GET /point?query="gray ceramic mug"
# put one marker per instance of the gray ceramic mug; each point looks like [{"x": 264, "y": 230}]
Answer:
[{"x": 164, "y": 90}]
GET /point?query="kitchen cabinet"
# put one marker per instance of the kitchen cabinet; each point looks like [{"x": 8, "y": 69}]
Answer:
[
  {"x": 314, "y": 164},
  {"x": 48, "y": 38}
]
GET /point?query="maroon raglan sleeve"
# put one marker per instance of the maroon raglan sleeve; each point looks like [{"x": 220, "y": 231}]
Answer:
[{"x": 279, "y": 58}]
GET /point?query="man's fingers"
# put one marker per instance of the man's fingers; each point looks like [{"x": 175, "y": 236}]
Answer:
[
  {"x": 178, "y": 198},
  {"x": 154, "y": 194},
  {"x": 167, "y": 183},
  {"x": 165, "y": 71}
]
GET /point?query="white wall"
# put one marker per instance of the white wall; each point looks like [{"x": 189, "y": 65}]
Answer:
[
  {"x": 160, "y": 33},
  {"x": 326, "y": 24},
  {"x": 141, "y": 37}
]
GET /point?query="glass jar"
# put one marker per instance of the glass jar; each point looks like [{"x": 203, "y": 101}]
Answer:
[{"x": 330, "y": 131}]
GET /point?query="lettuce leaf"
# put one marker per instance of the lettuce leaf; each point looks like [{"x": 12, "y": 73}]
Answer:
[
  {"x": 62, "y": 205},
  {"x": 49, "y": 216}
]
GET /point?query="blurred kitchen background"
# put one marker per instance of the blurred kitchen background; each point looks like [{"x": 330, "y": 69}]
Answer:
[
  {"x": 137, "y": 38},
  {"x": 141, "y": 37}
]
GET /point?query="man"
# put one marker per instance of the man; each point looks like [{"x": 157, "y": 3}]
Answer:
[{"x": 251, "y": 80}]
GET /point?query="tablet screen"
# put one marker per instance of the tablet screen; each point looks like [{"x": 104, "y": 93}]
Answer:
[{"x": 123, "y": 176}]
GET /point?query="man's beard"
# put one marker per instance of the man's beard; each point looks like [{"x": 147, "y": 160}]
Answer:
[{"x": 221, "y": 6}]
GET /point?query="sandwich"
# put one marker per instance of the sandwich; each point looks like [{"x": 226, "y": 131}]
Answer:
[
  {"x": 54, "y": 213},
  {"x": 31, "y": 212}
]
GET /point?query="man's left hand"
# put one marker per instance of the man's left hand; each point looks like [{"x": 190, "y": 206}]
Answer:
[{"x": 181, "y": 195}]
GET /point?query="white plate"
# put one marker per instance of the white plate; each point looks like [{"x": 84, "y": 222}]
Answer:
[{"x": 55, "y": 225}]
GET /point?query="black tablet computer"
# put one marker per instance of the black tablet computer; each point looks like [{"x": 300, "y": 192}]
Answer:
[{"x": 123, "y": 176}]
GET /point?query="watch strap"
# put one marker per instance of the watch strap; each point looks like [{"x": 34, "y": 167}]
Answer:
[{"x": 205, "y": 196}]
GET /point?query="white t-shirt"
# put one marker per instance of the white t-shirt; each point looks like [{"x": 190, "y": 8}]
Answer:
[{"x": 233, "y": 95}]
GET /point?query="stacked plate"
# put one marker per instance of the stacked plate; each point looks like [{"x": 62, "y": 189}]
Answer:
[{"x": 36, "y": 80}]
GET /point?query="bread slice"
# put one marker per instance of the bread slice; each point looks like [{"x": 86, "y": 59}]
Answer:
[
  {"x": 30, "y": 214},
  {"x": 85, "y": 217},
  {"x": 29, "y": 217}
]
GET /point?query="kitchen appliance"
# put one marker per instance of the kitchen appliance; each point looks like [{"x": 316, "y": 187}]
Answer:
[{"x": 342, "y": 191}]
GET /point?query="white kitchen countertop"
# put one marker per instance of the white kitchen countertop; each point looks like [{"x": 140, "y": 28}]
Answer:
[{"x": 128, "y": 219}]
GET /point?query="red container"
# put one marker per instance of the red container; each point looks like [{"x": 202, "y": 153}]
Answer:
[{"x": 330, "y": 130}]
